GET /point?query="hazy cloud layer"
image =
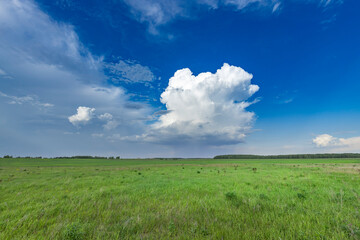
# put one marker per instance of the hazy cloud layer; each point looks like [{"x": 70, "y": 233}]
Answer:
[
  {"x": 33, "y": 35},
  {"x": 50, "y": 67}
]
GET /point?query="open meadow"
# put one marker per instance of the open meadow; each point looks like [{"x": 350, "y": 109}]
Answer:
[{"x": 179, "y": 199}]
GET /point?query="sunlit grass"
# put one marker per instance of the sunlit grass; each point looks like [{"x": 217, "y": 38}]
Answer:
[{"x": 179, "y": 199}]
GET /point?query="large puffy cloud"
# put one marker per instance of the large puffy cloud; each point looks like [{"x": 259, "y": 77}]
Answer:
[
  {"x": 209, "y": 108},
  {"x": 338, "y": 144}
]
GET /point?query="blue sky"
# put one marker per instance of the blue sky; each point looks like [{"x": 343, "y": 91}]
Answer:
[{"x": 140, "y": 78}]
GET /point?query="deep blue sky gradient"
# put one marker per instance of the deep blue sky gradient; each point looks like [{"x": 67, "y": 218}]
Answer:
[{"x": 305, "y": 53}]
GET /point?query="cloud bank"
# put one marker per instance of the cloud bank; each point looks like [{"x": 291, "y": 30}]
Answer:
[{"x": 208, "y": 108}]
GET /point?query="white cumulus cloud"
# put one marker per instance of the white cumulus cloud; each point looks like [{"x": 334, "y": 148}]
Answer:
[
  {"x": 83, "y": 115},
  {"x": 339, "y": 144},
  {"x": 324, "y": 140},
  {"x": 105, "y": 116},
  {"x": 209, "y": 107}
]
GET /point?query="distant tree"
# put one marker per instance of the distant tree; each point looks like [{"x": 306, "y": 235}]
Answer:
[{"x": 8, "y": 156}]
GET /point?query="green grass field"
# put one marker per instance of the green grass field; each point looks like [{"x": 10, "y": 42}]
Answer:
[{"x": 179, "y": 199}]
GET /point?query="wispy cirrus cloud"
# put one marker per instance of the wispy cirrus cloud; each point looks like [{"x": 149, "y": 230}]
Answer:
[
  {"x": 242, "y": 4},
  {"x": 2, "y": 72},
  {"x": 5, "y": 75},
  {"x": 156, "y": 13},
  {"x": 327, "y": 3},
  {"x": 32, "y": 100},
  {"x": 129, "y": 72},
  {"x": 286, "y": 97}
]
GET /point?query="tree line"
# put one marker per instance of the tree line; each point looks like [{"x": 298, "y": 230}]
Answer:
[
  {"x": 290, "y": 156},
  {"x": 230, "y": 156},
  {"x": 72, "y": 157}
]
